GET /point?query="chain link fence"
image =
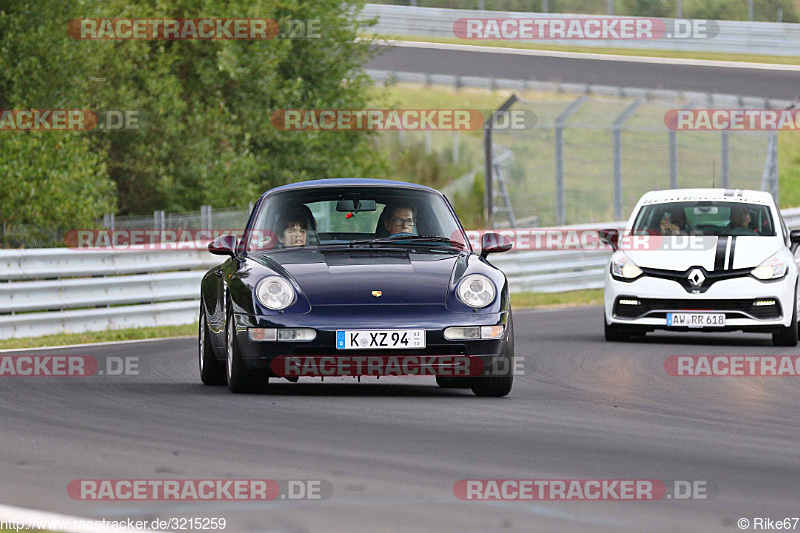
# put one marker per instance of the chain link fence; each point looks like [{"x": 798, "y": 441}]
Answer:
[
  {"x": 591, "y": 158},
  {"x": 207, "y": 218}
]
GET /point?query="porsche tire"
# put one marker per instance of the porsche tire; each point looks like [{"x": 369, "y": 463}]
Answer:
[
  {"x": 453, "y": 383},
  {"x": 212, "y": 372},
  {"x": 239, "y": 379},
  {"x": 498, "y": 386}
]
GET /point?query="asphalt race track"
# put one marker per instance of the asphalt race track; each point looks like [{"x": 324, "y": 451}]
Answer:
[
  {"x": 393, "y": 449},
  {"x": 779, "y": 84}
]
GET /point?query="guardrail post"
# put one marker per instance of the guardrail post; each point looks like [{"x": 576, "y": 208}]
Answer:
[
  {"x": 205, "y": 217},
  {"x": 769, "y": 180},
  {"x": 158, "y": 220},
  {"x": 726, "y": 160},
  {"x": 673, "y": 159},
  {"x": 561, "y": 194},
  {"x": 618, "y": 200},
  {"x": 773, "y": 147}
]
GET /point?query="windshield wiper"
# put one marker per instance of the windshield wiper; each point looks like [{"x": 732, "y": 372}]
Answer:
[{"x": 402, "y": 239}]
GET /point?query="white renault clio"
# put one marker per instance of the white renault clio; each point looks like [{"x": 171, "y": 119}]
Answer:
[{"x": 703, "y": 260}]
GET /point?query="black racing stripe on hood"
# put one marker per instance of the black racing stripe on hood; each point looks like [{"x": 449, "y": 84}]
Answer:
[
  {"x": 719, "y": 257},
  {"x": 730, "y": 256}
]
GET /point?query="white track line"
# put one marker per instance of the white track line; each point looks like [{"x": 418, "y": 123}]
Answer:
[
  {"x": 95, "y": 344},
  {"x": 593, "y": 56},
  {"x": 58, "y": 522}
]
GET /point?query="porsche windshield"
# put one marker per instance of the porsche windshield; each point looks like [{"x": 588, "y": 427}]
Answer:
[
  {"x": 354, "y": 216},
  {"x": 705, "y": 218}
]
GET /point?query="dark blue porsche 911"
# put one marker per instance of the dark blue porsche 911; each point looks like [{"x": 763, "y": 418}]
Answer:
[{"x": 356, "y": 277}]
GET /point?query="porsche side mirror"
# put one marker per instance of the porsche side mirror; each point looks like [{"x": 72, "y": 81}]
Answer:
[
  {"x": 493, "y": 243},
  {"x": 794, "y": 239},
  {"x": 223, "y": 245},
  {"x": 610, "y": 237}
]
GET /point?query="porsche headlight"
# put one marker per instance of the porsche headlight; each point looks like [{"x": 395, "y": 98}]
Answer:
[
  {"x": 476, "y": 290},
  {"x": 275, "y": 293},
  {"x": 773, "y": 268},
  {"x": 623, "y": 267}
]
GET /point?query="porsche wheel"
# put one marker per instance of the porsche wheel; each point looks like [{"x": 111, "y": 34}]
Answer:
[
  {"x": 497, "y": 386},
  {"x": 212, "y": 372},
  {"x": 453, "y": 383},
  {"x": 239, "y": 379}
]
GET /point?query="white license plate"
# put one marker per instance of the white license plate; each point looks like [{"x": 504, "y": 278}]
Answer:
[
  {"x": 696, "y": 320},
  {"x": 365, "y": 339}
]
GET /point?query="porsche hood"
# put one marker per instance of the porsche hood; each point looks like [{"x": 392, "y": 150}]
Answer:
[{"x": 368, "y": 277}]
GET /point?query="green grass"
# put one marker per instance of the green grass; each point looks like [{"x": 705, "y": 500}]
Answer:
[
  {"x": 789, "y": 168},
  {"x": 714, "y": 56},
  {"x": 99, "y": 336},
  {"x": 545, "y": 300}
]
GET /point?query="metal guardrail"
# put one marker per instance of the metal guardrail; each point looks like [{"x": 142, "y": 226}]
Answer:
[
  {"x": 58, "y": 290},
  {"x": 668, "y": 96},
  {"x": 766, "y": 38}
]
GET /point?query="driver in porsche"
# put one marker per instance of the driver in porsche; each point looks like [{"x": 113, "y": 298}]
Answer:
[{"x": 400, "y": 219}]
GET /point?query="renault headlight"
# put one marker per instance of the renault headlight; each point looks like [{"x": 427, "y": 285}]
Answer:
[
  {"x": 275, "y": 293},
  {"x": 773, "y": 268},
  {"x": 622, "y": 267},
  {"x": 476, "y": 290}
]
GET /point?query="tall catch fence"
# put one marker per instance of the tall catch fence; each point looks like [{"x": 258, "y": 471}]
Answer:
[{"x": 589, "y": 159}]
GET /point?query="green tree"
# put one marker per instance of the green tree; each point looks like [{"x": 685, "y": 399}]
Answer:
[
  {"x": 51, "y": 180},
  {"x": 205, "y": 134}
]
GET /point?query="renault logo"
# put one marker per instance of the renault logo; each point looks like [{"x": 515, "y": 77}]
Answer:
[
  {"x": 377, "y": 294},
  {"x": 696, "y": 277}
]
